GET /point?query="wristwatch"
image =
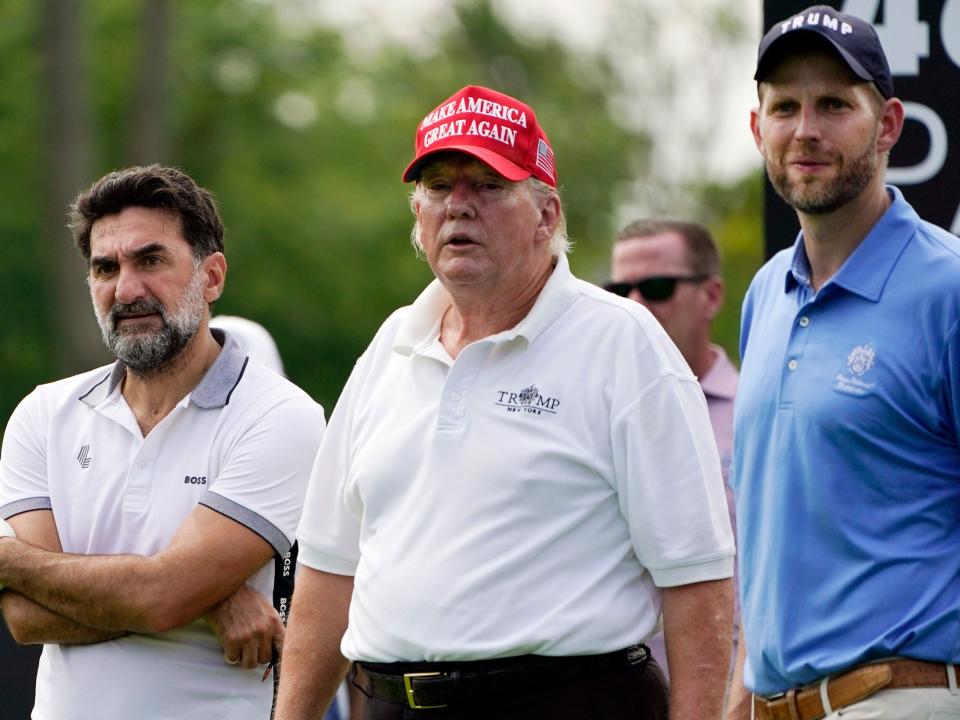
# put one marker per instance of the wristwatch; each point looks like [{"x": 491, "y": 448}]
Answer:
[{"x": 6, "y": 531}]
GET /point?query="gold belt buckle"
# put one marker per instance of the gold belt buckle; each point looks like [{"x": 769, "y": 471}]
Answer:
[{"x": 408, "y": 686}]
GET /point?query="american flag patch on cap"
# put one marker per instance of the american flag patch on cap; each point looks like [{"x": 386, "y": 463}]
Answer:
[{"x": 545, "y": 159}]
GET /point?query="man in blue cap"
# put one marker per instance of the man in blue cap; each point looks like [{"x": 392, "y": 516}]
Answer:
[{"x": 846, "y": 452}]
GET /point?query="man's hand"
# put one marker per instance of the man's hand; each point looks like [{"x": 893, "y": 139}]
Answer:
[{"x": 247, "y": 627}]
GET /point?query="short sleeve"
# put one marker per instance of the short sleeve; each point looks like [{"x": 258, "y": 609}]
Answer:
[
  {"x": 329, "y": 531},
  {"x": 262, "y": 482},
  {"x": 670, "y": 486},
  {"x": 23, "y": 460}
]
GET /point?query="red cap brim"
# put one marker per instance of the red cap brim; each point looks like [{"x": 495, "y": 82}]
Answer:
[{"x": 511, "y": 171}]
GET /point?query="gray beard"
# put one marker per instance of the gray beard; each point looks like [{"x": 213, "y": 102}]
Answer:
[
  {"x": 851, "y": 181},
  {"x": 147, "y": 354}
]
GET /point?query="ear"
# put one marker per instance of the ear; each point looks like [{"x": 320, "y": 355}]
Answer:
[
  {"x": 891, "y": 125},
  {"x": 755, "y": 129},
  {"x": 549, "y": 217},
  {"x": 714, "y": 291},
  {"x": 214, "y": 268}
]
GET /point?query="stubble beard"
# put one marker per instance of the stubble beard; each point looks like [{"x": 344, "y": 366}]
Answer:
[
  {"x": 819, "y": 198},
  {"x": 149, "y": 353}
]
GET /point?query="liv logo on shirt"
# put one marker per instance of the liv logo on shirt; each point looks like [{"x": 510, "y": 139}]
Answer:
[
  {"x": 859, "y": 362},
  {"x": 83, "y": 457},
  {"x": 528, "y": 400}
]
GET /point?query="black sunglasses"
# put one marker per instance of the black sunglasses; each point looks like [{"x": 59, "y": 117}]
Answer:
[{"x": 652, "y": 288}]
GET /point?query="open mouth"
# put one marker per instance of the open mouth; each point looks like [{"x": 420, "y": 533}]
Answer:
[{"x": 460, "y": 241}]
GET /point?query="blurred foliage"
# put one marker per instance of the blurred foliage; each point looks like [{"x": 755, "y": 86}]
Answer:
[{"x": 303, "y": 143}]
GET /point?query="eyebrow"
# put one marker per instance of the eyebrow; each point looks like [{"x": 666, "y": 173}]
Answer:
[{"x": 150, "y": 249}]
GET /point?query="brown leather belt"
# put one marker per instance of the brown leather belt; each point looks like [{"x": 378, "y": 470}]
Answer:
[{"x": 850, "y": 687}]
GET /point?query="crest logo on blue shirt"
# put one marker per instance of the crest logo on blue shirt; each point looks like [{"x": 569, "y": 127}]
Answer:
[{"x": 861, "y": 359}]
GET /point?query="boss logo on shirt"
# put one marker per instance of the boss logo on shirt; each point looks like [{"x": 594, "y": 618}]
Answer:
[
  {"x": 528, "y": 401},
  {"x": 194, "y": 479}
]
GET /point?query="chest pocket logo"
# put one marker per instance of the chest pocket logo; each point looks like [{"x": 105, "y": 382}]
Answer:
[
  {"x": 194, "y": 479},
  {"x": 528, "y": 400},
  {"x": 856, "y": 380}
]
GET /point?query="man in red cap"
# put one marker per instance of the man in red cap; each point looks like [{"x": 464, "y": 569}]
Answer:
[{"x": 519, "y": 477}]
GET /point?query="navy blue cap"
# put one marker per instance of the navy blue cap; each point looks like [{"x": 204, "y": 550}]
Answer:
[{"x": 854, "y": 40}]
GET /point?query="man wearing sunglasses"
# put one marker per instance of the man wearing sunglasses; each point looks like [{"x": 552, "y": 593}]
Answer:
[
  {"x": 518, "y": 476},
  {"x": 672, "y": 268}
]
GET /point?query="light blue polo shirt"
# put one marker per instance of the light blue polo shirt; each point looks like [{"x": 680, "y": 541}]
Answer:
[{"x": 846, "y": 457}]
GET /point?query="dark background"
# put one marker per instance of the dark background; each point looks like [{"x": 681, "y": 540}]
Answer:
[{"x": 926, "y": 78}]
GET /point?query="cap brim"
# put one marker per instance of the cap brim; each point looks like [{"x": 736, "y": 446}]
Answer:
[
  {"x": 771, "y": 55},
  {"x": 511, "y": 171}
]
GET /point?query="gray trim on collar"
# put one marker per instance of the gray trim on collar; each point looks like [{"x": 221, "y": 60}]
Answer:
[
  {"x": 249, "y": 519},
  {"x": 25, "y": 505},
  {"x": 102, "y": 390},
  {"x": 212, "y": 392},
  {"x": 224, "y": 375}
]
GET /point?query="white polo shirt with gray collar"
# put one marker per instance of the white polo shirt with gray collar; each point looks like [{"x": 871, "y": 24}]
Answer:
[
  {"x": 242, "y": 443},
  {"x": 528, "y": 497}
]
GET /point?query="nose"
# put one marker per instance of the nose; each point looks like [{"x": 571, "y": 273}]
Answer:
[
  {"x": 461, "y": 201},
  {"x": 129, "y": 287},
  {"x": 808, "y": 124},
  {"x": 636, "y": 296}
]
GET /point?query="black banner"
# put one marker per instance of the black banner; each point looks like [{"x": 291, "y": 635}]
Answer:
[{"x": 921, "y": 39}]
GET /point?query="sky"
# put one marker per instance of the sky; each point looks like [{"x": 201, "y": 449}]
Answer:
[{"x": 696, "y": 104}]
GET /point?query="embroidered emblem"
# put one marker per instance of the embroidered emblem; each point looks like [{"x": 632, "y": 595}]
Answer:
[
  {"x": 529, "y": 395},
  {"x": 861, "y": 359},
  {"x": 850, "y": 380},
  {"x": 83, "y": 457},
  {"x": 529, "y": 400}
]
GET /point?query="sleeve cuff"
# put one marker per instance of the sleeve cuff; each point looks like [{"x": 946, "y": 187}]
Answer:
[
  {"x": 16, "y": 507},
  {"x": 313, "y": 557},
  {"x": 694, "y": 572},
  {"x": 249, "y": 519}
]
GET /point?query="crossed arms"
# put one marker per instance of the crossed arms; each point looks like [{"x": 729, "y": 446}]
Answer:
[{"x": 56, "y": 597}]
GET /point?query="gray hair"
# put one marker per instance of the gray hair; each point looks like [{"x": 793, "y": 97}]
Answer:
[{"x": 560, "y": 243}]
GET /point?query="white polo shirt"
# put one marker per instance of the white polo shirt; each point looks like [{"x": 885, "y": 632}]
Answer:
[
  {"x": 528, "y": 497},
  {"x": 241, "y": 443}
]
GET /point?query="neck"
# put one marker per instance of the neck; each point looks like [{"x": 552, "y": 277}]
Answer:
[
  {"x": 152, "y": 397},
  {"x": 830, "y": 239},
  {"x": 476, "y": 314},
  {"x": 702, "y": 359}
]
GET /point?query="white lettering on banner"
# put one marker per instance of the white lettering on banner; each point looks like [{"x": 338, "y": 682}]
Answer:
[
  {"x": 950, "y": 30},
  {"x": 936, "y": 158},
  {"x": 905, "y": 39}
]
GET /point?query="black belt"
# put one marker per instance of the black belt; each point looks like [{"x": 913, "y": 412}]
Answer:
[{"x": 436, "y": 685}]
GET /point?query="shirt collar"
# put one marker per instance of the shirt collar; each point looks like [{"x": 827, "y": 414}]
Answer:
[
  {"x": 721, "y": 379},
  {"x": 421, "y": 325},
  {"x": 866, "y": 271},
  {"x": 213, "y": 391}
]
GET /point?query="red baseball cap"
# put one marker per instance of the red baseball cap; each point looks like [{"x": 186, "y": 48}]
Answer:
[{"x": 492, "y": 127}]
